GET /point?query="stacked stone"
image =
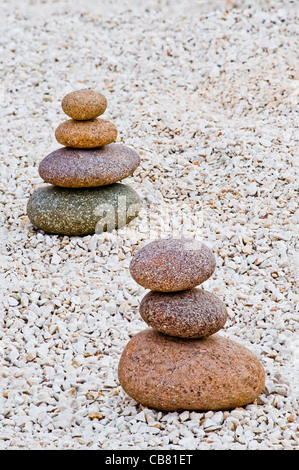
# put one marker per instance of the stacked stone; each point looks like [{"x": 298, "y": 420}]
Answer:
[
  {"x": 84, "y": 196},
  {"x": 181, "y": 362}
]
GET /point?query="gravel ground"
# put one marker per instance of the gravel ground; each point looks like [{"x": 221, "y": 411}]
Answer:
[{"x": 208, "y": 95}]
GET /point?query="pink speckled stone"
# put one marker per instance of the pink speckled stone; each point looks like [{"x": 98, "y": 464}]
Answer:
[
  {"x": 174, "y": 374},
  {"x": 82, "y": 168},
  {"x": 187, "y": 314},
  {"x": 172, "y": 264}
]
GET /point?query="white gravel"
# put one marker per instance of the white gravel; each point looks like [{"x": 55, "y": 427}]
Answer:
[{"x": 209, "y": 96}]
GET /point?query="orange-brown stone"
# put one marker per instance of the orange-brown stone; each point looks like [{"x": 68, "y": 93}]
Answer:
[
  {"x": 86, "y": 134},
  {"x": 173, "y": 374}
]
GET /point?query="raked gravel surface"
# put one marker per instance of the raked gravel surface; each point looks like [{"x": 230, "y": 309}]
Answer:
[{"x": 208, "y": 94}]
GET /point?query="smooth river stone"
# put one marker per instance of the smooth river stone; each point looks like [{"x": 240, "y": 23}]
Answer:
[
  {"x": 187, "y": 314},
  {"x": 174, "y": 374},
  {"x": 81, "y": 168},
  {"x": 86, "y": 134},
  {"x": 172, "y": 264},
  {"x": 84, "y": 104},
  {"x": 65, "y": 211}
]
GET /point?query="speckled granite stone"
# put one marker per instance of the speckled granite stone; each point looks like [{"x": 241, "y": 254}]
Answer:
[
  {"x": 173, "y": 264},
  {"x": 84, "y": 104},
  {"x": 82, "y": 168},
  {"x": 173, "y": 374},
  {"x": 187, "y": 314},
  {"x": 65, "y": 211},
  {"x": 86, "y": 134}
]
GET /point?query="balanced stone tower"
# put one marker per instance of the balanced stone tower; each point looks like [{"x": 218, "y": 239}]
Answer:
[
  {"x": 180, "y": 362},
  {"x": 83, "y": 196}
]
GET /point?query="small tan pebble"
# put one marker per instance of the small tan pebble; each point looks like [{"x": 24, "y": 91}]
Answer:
[
  {"x": 95, "y": 415},
  {"x": 247, "y": 249},
  {"x": 86, "y": 134},
  {"x": 83, "y": 105}
]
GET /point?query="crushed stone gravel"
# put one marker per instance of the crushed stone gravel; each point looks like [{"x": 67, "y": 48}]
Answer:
[{"x": 207, "y": 93}]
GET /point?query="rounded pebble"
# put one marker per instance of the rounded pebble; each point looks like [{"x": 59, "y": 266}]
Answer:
[
  {"x": 173, "y": 374},
  {"x": 65, "y": 211},
  {"x": 72, "y": 168},
  {"x": 84, "y": 104},
  {"x": 172, "y": 264},
  {"x": 86, "y": 134},
  {"x": 187, "y": 314}
]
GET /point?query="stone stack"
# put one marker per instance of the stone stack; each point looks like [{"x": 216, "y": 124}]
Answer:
[
  {"x": 181, "y": 362},
  {"x": 83, "y": 196}
]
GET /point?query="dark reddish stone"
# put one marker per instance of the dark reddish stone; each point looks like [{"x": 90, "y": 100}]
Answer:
[{"x": 187, "y": 314}]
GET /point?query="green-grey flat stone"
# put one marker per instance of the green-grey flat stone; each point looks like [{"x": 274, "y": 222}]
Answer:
[{"x": 84, "y": 211}]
